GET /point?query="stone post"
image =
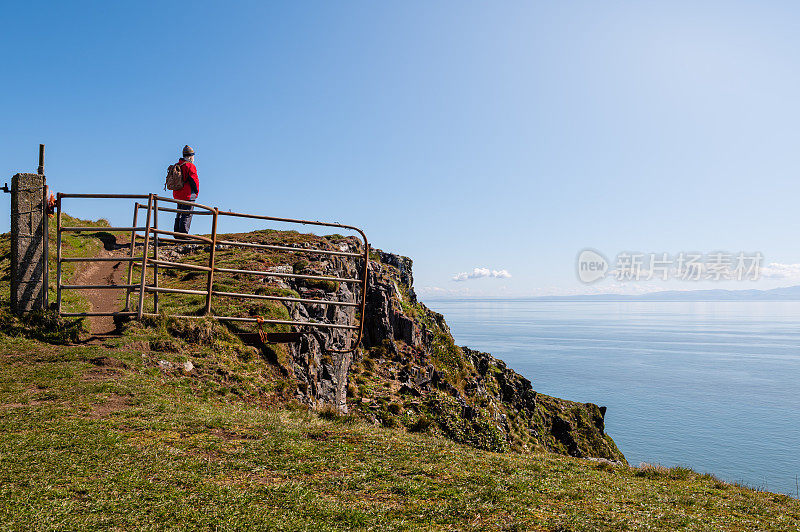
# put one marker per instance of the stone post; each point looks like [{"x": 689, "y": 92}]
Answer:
[{"x": 28, "y": 243}]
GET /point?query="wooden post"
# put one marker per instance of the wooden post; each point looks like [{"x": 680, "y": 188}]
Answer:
[
  {"x": 45, "y": 228},
  {"x": 40, "y": 171}
]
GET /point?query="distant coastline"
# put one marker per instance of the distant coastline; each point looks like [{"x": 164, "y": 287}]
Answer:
[{"x": 789, "y": 293}]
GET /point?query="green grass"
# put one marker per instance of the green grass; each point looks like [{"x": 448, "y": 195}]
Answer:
[{"x": 122, "y": 443}]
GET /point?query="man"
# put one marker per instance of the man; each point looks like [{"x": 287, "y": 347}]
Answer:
[{"x": 191, "y": 186}]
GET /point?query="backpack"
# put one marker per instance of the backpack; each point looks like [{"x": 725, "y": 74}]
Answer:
[{"x": 174, "y": 179}]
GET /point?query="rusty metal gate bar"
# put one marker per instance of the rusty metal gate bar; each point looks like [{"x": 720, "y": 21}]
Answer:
[
  {"x": 60, "y": 259},
  {"x": 362, "y": 281},
  {"x": 152, "y": 232},
  {"x": 130, "y": 263},
  {"x": 155, "y": 256},
  {"x": 152, "y": 210},
  {"x": 212, "y": 268}
]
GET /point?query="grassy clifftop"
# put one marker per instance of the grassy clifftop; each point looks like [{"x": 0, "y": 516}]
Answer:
[
  {"x": 178, "y": 424},
  {"x": 92, "y": 436}
]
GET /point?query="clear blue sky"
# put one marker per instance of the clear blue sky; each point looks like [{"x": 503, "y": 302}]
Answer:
[{"x": 502, "y": 135}]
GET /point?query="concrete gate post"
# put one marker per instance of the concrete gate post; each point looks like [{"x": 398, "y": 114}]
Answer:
[{"x": 29, "y": 233}]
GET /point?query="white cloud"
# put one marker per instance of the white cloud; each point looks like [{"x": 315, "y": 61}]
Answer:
[
  {"x": 478, "y": 273},
  {"x": 776, "y": 270}
]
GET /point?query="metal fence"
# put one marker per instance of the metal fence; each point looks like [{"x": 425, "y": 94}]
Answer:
[{"x": 152, "y": 237}]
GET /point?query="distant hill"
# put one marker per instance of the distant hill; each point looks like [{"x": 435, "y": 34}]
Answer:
[{"x": 788, "y": 293}]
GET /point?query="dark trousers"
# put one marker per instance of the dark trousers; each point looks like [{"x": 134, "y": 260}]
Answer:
[{"x": 183, "y": 220}]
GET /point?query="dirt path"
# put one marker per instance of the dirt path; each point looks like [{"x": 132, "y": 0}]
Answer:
[{"x": 103, "y": 273}]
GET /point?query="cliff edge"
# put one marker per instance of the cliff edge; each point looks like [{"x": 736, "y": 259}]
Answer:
[{"x": 409, "y": 372}]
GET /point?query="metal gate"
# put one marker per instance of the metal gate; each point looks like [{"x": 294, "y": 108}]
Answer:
[{"x": 152, "y": 237}]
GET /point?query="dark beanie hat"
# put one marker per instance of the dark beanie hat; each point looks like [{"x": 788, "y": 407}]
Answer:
[{"x": 188, "y": 151}]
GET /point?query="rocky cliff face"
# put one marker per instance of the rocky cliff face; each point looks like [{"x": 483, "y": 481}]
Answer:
[
  {"x": 322, "y": 372},
  {"x": 409, "y": 372}
]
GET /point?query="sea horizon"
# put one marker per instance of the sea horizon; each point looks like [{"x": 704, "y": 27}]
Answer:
[{"x": 782, "y": 293}]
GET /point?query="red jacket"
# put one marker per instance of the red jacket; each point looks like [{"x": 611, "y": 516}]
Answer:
[{"x": 191, "y": 183}]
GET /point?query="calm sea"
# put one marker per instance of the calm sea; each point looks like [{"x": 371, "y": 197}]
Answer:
[{"x": 714, "y": 386}]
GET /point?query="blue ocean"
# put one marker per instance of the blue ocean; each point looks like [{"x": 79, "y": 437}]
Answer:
[{"x": 714, "y": 386}]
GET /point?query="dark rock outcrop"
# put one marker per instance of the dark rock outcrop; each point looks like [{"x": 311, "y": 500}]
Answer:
[{"x": 317, "y": 364}]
